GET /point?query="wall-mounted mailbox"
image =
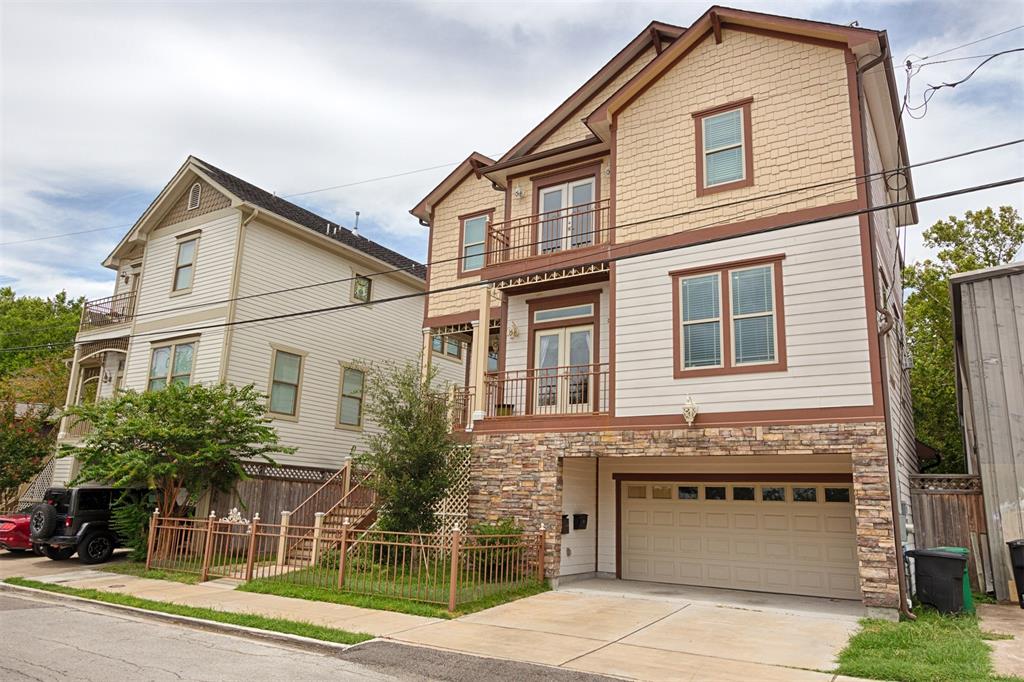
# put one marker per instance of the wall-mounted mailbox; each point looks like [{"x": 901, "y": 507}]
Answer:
[
  {"x": 579, "y": 521},
  {"x": 565, "y": 524}
]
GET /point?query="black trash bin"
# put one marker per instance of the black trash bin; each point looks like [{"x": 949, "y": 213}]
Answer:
[
  {"x": 940, "y": 579},
  {"x": 1017, "y": 561}
]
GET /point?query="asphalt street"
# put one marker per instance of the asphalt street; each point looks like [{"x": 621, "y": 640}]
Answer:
[{"x": 41, "y": 640}]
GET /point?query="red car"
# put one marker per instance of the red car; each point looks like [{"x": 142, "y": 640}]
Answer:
[{"x": 14, "y": 533}]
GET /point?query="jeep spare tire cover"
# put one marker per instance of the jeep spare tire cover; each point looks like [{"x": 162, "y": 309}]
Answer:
[{"x": 42, "y": 522}]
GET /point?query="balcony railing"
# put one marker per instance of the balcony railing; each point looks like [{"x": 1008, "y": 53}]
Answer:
[
  {"x": 547, "y": 392},
  {"x": 108, "y": 311},
  {"x": 549, "y": 233}
]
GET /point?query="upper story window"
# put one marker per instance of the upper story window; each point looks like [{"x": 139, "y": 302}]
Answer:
[
  {"x": 443, "y": 345},
  {"x": 285, "y": 383},
  {"x": 362, "y": 289},
  {"x": 729, "y": 318},
  {"x": 193, "y": 196},
  {"x": 473, "y": 241},
  {"x": 184, "y": 266},
  {"x": 171, "y": 363},
  {"x": 724, "y": 154},
  {"x": 350, "y": 403}
]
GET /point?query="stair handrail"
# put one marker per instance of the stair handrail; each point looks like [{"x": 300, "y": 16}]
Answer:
[
  {"x": 342, "y": 475},
  {"x": 337, "y": 505}
]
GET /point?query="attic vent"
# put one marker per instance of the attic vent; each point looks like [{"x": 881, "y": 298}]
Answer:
[{"x": 193, "y": 196}]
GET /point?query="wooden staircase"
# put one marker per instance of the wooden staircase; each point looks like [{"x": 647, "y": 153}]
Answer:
[{"x": 354, "y": 502}]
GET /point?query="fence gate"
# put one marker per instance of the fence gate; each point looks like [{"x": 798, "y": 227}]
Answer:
[{"x": 949, "y": 511}]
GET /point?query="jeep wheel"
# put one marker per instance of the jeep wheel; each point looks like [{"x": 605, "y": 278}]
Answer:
[
  {"x": 42, "y": 522},
  {"x": 38, "y": 550},
  {"x": 96, "y": 548},
  {"x": 58, "y": 553}
]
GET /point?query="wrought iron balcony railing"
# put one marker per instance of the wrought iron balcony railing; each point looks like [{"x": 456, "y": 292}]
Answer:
[
  {"x": 549, "y": 233},
  {"x": 104, "y": 312},
  {"x": 578, "y": 390}
]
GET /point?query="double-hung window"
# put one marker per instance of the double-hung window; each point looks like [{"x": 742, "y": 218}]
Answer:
[
  {"x": 286, "y": 379},
  {"x": 171, "y": 364},
  {"x": 724, "y": 159},
  {"x": 729, "y": 318},
  {"x": 350, "y": 403},
  {"x": 753, "y": 314},
  {"x": 185, "y": 265},
  {"x": 474, "y": 239},
  {"x": 702, "y": 321}
]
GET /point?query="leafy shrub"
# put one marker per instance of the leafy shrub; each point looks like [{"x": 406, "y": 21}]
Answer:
[
  {"x": 498, "y": 553},
  {"x": 130, "y": 520}
]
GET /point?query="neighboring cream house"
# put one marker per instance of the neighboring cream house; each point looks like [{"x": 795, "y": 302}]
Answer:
[
  {"x": 686, "y": 239},
  {"x": 211, "y": 254}
]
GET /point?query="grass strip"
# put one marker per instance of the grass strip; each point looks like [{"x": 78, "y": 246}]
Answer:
[
  {"x": 290, "y": 627},
  {"x": 139, "y": 570},
  {"x": 370, "y": 601},
  {"x": 935, "y": 647}
]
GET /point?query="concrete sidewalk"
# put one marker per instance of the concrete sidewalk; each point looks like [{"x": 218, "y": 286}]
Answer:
[{"x": 688, "y": 636}]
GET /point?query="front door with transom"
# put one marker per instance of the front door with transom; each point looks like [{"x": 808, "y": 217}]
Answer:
[
  {"x": 563, "y": 370},
  {"x": 567, "y": 216}
]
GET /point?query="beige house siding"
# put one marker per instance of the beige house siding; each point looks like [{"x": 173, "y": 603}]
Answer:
[
  {"x": 800, "y": 129},
  {"x": 524, "y": 206},
  {"x": 573, "y": 129},
  {"x": 210, "y": 200},
  {"x": 272, "y": 259},
  {"x": 206, "y": 363},
  {"x": 472, "y": 195},
  {"x": 826, "y": 328}
]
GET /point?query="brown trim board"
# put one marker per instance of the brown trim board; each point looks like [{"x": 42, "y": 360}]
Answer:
[{"x": 748, "y": 147}]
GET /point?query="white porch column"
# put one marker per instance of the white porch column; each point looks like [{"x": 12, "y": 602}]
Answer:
[
  {"x": 72, "y": 391},
  {"x": 428, "y": 354},
  {"x": 478, "y": 366}
]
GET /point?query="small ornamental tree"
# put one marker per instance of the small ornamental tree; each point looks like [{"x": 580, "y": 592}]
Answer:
[
  {"x": 410, "y": 454},
  {"x": 26, "y": 439},
  {"x": 181, "y": 438}
]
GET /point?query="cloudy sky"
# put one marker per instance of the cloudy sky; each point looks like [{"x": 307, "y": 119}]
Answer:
[{"x": 101, "y": 103}]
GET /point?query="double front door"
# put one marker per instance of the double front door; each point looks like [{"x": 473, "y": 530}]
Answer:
[
  {"x": 564, "y": 373},
  {"x": 567, "y": 219}
]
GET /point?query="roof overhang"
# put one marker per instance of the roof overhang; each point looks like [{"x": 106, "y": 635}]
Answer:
[
  {"x": 500, "y": 172},
  {"x": 472, "y": 164}
]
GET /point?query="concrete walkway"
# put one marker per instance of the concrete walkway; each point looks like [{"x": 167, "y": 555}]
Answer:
[
  {"x": 630, "y": 630},
  {"x": 1005, "y": 619}
]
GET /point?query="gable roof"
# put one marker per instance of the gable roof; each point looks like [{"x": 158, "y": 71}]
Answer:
[
  {"x": 242, "y": 192},
  {"x": 252, "y": 194},
  {"x": 471, "y": 164}
]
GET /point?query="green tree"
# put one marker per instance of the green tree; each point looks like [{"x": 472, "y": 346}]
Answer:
[
  {"x": 410, "y": 454},
  {"x": 34, "y": 321},
  {"x": 981, "y": 239},
  {"x": 181, "y": 438}
]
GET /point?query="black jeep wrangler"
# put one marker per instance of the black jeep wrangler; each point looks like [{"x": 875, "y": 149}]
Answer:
[{"x": 70, "y": 520}]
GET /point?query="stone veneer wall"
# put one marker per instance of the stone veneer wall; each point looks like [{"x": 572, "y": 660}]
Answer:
[{"x": 518, "y": 475}]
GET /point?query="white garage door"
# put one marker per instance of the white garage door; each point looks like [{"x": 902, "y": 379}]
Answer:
[{"x": 792, "y": 538}]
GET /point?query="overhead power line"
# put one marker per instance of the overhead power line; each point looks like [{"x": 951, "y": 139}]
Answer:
[{"x": 609, "y": 259}]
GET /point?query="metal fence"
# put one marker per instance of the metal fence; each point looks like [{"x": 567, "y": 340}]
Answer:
[{"x": 432, "y": 568}]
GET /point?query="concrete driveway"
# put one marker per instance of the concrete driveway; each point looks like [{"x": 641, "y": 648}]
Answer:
[{"x": 657, "y": 632}]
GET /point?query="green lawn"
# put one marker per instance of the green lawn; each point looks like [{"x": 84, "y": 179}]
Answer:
[
  {"x": 934, "y": 648},
  {"x": 260, "y": 622},
  {"x": 138, "y": 569}
]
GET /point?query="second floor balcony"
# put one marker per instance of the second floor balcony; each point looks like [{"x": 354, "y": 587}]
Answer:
[
  {"x": 106, "y": 312},
  {"x": 573, "y": 390},
  {"x": 557, "y": 238}
]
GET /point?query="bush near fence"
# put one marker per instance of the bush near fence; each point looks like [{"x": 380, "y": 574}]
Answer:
[{"x": 421, "y": 567}]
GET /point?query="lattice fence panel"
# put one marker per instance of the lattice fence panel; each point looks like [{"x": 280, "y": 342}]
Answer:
[
  {"x": 35, "y": 490},
  {"x": 454, "y": 509}
]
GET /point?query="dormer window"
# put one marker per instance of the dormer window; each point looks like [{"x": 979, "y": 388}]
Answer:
[{"x": 193, "y": 196}]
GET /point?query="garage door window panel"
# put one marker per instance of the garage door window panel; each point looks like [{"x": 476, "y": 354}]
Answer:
[
  {"x": 773, "y": 494},
  {"x": 837, "y": 495},
  {"x": 688, "y": 492}
]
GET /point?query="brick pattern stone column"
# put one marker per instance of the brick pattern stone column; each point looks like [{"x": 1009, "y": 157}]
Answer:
[{"x": 876, "y": 540}]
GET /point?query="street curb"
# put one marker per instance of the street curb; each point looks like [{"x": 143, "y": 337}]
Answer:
[{"x": 283, "y": 638}]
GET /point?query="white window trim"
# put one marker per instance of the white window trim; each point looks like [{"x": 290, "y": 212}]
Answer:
[
  {"x": 173, "y": 345},
  {"x": 182, "y": 240},
  {"x": 558, "y": 318},
  {"x": 467, "y": 244},
  {"x": 717, "y": 274},
  {"x": 275, "y": 349},
  {"x": 740, "y": 145},
  {"x": 772, "y": 314},
  {"x": 362, "y": 399}
]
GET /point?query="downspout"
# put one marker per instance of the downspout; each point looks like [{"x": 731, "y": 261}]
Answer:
[{"x": 901, "y": 577}]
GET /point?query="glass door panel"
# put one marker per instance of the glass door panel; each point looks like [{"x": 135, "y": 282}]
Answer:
[
  {"x": 552, "y": 226},
  {"x": 581, "y": 220},
  {"x": 563, "y": 370},
  {"x": 581, "y": 354},
  {"x": 548, "y": 350}
]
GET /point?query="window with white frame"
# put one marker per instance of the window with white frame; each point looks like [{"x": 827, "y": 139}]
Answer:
[
  {"x": 702, "y": 321},
  {"x": 474, "y": 238},
  {"x": 753, "y": 314},
  {"x": 350, "y": 403},
  {"x": 286, "y": 380},
  {"x": 184, "y": 266},
  {"x": 724, "y": 156},
  {"x": 171, "y": 363}
]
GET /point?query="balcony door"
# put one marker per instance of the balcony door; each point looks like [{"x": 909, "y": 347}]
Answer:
[
  {"x": 563, "y": 370},
  {"x": 567, "y": 216}
]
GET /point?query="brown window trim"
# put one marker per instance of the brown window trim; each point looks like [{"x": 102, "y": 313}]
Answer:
[
  {"x": 489, "y": 214},
  {"x": 781, "y": 361},
  {"x": 545, "y": 180},
  {"x": 592, "y": 297},
  {"x": 748, "y": 149}
]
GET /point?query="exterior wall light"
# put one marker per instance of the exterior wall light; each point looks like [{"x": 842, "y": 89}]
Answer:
[{"x": 689, "y": 411}]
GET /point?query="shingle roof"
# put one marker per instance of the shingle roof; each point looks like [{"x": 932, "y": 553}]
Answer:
[{"x": 251, "y": 193}]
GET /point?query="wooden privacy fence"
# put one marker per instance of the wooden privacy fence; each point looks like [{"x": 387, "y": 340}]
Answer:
[
  {"x": 949, "y": 511},
  {"x": 436, "y": 568}
]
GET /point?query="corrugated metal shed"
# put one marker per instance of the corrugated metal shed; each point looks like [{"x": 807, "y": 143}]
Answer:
[{"x": 988, "y": 327}]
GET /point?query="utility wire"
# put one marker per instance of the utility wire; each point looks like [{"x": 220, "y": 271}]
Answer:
[{"x": 602, "y": 260}]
